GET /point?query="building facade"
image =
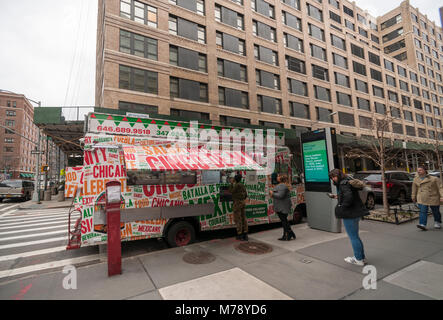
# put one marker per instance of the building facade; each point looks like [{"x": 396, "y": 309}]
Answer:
[{"x": 295, "y": 64}]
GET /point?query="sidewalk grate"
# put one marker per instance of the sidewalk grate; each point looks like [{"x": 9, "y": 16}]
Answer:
[
  {"x": 254, "y": 247},
  {"x": 199, "y": 257}
]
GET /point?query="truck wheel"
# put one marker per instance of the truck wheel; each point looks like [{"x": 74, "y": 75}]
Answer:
[{"x": 180, "y": 234}]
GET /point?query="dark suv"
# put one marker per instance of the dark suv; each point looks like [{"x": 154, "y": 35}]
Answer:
[{"x": 398, "y": 184}]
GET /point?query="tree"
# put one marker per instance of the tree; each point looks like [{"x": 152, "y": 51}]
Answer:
[{"x": 378, "y": 148}]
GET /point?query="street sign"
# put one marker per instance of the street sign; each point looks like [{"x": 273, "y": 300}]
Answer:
[{"x": 37, "y": 152}]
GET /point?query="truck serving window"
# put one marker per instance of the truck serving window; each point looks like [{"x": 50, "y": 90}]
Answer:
[{"x": 145, "y": 177}]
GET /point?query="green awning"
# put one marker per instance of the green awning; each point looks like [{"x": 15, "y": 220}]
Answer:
[{"x": 26, "y": 175}]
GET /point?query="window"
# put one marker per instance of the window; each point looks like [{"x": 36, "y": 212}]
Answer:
[
  {"x": 344, "y": 99},
  {"x": 401, "y": 57},
  {"x": 316, "y": 32},
  {"x": 266, "y": 55},
  {"x": 139, "y": 12},
  {"x": 395, "y": 46},
  {"x": 191, "y": 115},
  {"x": 415, "y": 90},
  {"x": 291, "y": 21},
  {"x": 293, "y": 3},
  {"x": 392, "y": 96},
  {"x": 341, "y": 79},
  {"x": 9, "y": 123},
  {"x": 359, "y": 68},
  {"x": 231, "y": 70},
  {"x": 418, "y": 104},
  {"x": 299, "y": 110},
  {"x": 419, "y": 118},
  {"x": 340, "y": 61},
  {"x": 408, "y": 115},
  {"x": 188, "y": 89},
  {"x": 390, "y": 81},
  {"x": 233, "y": 98},
  {"x": 9, "y": 140},
  {"x": 406, "y": 101},
  {"x": 293, "y": 42},
  {"x": 318, "y": 52},
  {"x": 263, "y": 7},
  {"x": 269, "y": 104},
  {"x": 363, "y": 104},
  {"x": 10, "y": 113},
  {"x": 338, "y": 42},
  {"x": 295, "y": 65},
  {"x": 348, "y": 11},
  {"x": 264, "y": 31},
  {"x": 314, "y": 12},
  {"x": 297, "y": 87},
  {"x": 322, "y": 93},
  {"x": 410, "y": 131},
  {"x": 395, "y": 113},
  {"x": 380, "y": 108},
  {"x": 378, "y": 92},
  {"x": 324, "y": 115},
  {"x": 357, "y": 51},
  {"x": 349, "y": 25},
  {"x": 365, "y": 122},
  {"x": 334, "y": 3},
  {"x": 404, "y": 86},
  {"x": 361, "y": 85},
  {"x": 137, "y": 108},
  {"x": 187, "y": 29},
  {"x": 229, "y": 17},
  {"x": 320, "y": 73},
  {"x": 138, "y": 79},
  {"x": 389, "y": 65},
  {"x": 267, "y": 79},
  {"x": 390, "y": 22},
  {"x": 138, "y": 45},
  {"x": 413, "y": 76},
  {"x": 346, "y": 119},
  {"x": 232, "y": 121},
  {"x": 362, "y": 32},
  {"x": 401, "y": 71},
  {"x": 392, "y": 35},
  {"x": 376, "y": 75},
  {"x": 335, "y": 17}
]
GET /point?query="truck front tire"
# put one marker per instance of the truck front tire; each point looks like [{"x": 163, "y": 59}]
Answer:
[{"x": 180, "y": 234}]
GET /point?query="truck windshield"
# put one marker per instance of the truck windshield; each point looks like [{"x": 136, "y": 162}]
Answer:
[{"x": 11, "y": 184}]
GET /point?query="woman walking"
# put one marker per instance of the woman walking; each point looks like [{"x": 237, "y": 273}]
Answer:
[
  {"x": 350, "y": 209},
  {"x": 427, "y": 192},
  {"x": 282, "y": 206}
]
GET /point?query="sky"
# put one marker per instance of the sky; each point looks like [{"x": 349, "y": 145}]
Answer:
[{"x": 48, "y": 47}]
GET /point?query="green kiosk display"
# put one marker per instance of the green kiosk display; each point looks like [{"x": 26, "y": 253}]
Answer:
[{"x": 319, "y": 149}]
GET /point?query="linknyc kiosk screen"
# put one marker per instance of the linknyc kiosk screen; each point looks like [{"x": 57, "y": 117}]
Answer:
[{"x": 315, "y": 161}]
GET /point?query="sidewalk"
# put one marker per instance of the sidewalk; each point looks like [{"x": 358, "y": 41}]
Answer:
[
  {"x": 409, "y": 265},
  {"x": 53, "y": 204}
]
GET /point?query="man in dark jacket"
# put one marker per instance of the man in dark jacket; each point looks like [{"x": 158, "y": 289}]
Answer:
[
  {"x": 239, "y": 194},
  {"x": 350, "y": 209}
]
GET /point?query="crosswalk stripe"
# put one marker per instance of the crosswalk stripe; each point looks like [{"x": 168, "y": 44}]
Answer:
[
  {"x": 32, "y": 253},
  {"x": 36, "y": 224},
  {"x": 49, "y": 265},
  {"x": 32, "y": 214},
  {"x": 31, "y": 243},
  {"x": 32, "y": 221},
  {"x": 9, "y": 207},
  {"x": 10, "y": 218},
  {"x": 34, "y": 235},
  {"x": 35, "y": 229},
  {"x": 7, "y": 213}
]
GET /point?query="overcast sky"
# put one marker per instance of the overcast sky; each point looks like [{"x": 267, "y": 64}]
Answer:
[{"x": 48, "y": 46}]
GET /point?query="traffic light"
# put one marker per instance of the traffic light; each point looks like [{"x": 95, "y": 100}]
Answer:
[{"x": 44, "y": 168}]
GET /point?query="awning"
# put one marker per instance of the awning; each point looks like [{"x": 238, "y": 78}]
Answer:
[
  {"x": 168, "y": 158},
  {"x": 26, "y": 175}
]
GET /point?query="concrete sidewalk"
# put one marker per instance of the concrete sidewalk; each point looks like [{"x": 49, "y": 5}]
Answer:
[
  {"x": 52, "y": 204},
  {"x": 409, "y": 265}
]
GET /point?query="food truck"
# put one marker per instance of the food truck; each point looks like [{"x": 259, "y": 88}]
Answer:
[{"x": 172, "y": 189}]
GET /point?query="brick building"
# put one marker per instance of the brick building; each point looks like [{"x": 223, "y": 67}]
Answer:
[{"x": 294, "y": 64}]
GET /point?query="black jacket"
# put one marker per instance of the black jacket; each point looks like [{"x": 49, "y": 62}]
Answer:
[{"x": 349, "y": 202}]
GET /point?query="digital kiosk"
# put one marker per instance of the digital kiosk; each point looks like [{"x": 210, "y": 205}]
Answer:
[{"x": 319, "y": 149}]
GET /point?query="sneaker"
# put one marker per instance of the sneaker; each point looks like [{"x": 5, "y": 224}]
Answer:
[
  {"x": 422, "y": 227},
  {"x": 437, "y": 225},
  {"x": 353, "y": 260}
]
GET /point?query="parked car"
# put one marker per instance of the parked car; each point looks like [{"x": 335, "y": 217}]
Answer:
[
  {"x": 16, "y": 189},
  {"x": 398, "y": 184},
  {"x": 367, "y": 196}
]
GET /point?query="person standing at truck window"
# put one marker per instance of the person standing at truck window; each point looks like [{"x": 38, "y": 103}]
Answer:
[
  {"x": 427, "y": 192},
  {"x": 350, "y": 209},
  {"x": 239, "y": 195},
  {"x": 281, "y": 196}
]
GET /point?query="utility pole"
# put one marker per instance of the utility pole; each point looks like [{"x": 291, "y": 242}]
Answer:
[{"x": 36, "y": 194}]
